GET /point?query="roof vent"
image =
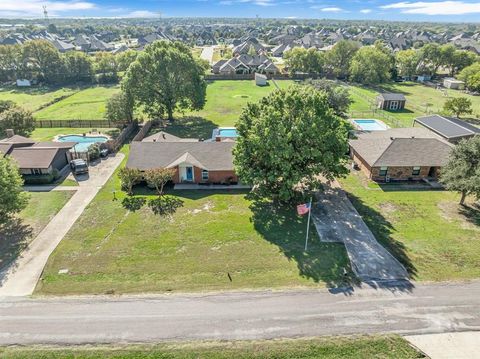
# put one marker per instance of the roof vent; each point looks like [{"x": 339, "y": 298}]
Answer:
[{"x": 392, "y": 138}]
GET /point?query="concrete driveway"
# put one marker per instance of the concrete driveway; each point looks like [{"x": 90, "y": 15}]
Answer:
[
  {"x": 336, "y": 220},
  {"x": 21, "y": 277},
  {"x": 207, "y": 54}
]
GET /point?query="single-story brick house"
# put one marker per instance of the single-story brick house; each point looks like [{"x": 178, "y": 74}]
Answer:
[
  {"x": 194, "y": 162},
  {"x": 391, "y": 101},
  {"x": 37, "y": 158},
  {"x": 400, "y": 154}
]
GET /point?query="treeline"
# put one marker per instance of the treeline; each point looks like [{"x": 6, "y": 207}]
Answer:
[
  {"x": 347, "y": 60},
  {"x": 40, "y": 61}
]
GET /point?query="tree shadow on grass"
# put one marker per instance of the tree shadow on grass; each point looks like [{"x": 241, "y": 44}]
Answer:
[
  {"x": 133, "y": 204},
  {"x": 471, "y": 214},
  {"x": 383, "y": 229},
  {"x": 14, "y": 238},
  {"x": 189, "y": 127},
  {"x": 281, "y": 226}
]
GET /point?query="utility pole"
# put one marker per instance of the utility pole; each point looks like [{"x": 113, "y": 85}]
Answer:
[{"x": 45, "y": 14}]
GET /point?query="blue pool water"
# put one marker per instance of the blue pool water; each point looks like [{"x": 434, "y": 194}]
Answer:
[
  {"x": 370, "y": 125},
  {"x": 84, "y": 142},
  {"x": 228, "y": 132}
]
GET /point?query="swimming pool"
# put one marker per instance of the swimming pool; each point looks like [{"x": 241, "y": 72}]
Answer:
[
  {"x": 224, "y": 132},
  {"x": 369, "y": 125},
  {"x": 83, "y": 142}
]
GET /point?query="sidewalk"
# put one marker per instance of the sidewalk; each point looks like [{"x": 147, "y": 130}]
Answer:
[
  {"x": 462, "y": 345},
  {"x": 21, "y": 277}
]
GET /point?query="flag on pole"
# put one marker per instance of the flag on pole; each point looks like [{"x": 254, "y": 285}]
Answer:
[{"x": 303, "y": 208}]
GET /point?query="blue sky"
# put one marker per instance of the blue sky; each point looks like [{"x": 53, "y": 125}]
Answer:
[{"x": 438, "y": 10}]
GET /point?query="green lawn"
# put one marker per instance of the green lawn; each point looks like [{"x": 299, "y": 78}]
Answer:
[
  {"x": 420, "y": 99},
  {"x": 33, "y": 98},
  {"x": 41, "y": 208},
  {"x": 226, "y": 99},
  {"x": 87, "y": 104},
  {"x": 364, "y": 347},
  {"x": 434, "y": 237},
  {"x": 112, "y": 250},
  {"x": 47, "y": 134}
]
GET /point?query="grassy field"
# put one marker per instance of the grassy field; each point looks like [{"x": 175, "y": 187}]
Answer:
[
  {"x": 363, "y": 347},
  {"x": 47, "y": 134},
  {"x": 213, "y": 234},
  {"x": 226, "y": 99},
  {"x": 33, "y": 98},
  {"x": 88, "y": 104},
  {"x": 420, "y": 99},
  {"x": 434, "y": 237},
  {"x": 41, "y": 208}
]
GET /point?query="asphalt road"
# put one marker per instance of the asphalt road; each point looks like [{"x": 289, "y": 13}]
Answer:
[{"x": 240, "y": 315}]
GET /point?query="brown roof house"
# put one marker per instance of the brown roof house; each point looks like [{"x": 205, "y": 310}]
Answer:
[
  {"x": 391, "y": 101},
  {"x": 400, "y": 154},
  {"x": 199, "y": 162},
  {"x": 38, "y": 161}
]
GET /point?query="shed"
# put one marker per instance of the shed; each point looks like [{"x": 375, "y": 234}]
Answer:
[
  {"x": 391, "y": 101},
  {"x": 260, "y": 79},
  {"x": 454, "y": 84}
]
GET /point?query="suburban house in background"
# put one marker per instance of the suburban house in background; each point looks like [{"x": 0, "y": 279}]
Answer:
[
  {"x": 391, "y": 101},
  {"x": 400, "y": 154},
  {"x": 194, "y": 161},
  {"x": 245, "y": 64},
  {"x": 37, "y": 158},
  {"x": 449, "y": 128}
]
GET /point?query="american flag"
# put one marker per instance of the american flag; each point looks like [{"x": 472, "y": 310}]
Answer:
[{"x": 303, "y": 209}]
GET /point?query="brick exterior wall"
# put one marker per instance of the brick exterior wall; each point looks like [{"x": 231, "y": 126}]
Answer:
[
  {"x": 213, "y": 176},
  {"x": 395, "y": 173}
]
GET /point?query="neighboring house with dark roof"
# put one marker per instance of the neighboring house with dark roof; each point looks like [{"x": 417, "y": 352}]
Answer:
[
  {"x": 450, "y": 128},
  {"x": 36, "y": 158},
  {"x": 194, "y": 162},
  {"x": 391, "y": 101},
  {"x": 245, "y": 64},
  {"x": 400, "y": 154}
]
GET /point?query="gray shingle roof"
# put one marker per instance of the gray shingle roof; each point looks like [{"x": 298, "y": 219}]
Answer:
[
  {"x": 34, "y": 157},
  {"x": 17, "y": 139},
  {"x": 448, "y": 127},
  {"x": 213, "y": 156},
  {"x": 392, "y": 96},
  {"x": 399, "y": 152}
]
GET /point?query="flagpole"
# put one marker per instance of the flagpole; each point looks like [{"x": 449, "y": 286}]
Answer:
[{"x": 308, "y": 224}]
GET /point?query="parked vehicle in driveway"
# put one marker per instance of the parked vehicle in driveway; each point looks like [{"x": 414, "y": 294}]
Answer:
[{"x": 79, "y": 167}]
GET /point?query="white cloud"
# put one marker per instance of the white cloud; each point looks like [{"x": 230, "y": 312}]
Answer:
[
  {"x": 331, "y": 9},
  {"x": 32, "y": 8},
  {"x": 435, "y": 8},
  {"x": 366, "y": 11}
]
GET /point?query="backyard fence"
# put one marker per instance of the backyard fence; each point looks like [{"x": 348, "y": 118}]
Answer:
[
  {"x": 75, "y": 123},
  {"x": 114, "y": 145}
]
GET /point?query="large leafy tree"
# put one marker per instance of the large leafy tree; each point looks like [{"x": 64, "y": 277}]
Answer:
[
  {"x": 462, "y": 172},
  {"x": 370, "y": 66},
  {"x": 42, "y": 60},
  {"x": 164, "y": 78},
  {"x": 12, "y": 197},
  {"x": 431, "y": 57},
  {"x": 407, "y": 62},
  {"x": 119, "y": 108},
  {"x": 299, "y": 59},
  {"x": 469, "y": 75},
  {"x": 338, "y": 96},
  {"x": 287, "y": 140},
  {"x": 78, "y": 67},
  {"x": 458, "y": 106},
  {"x": 338, "y": 59},
  {"x": 18, "y": 119}
]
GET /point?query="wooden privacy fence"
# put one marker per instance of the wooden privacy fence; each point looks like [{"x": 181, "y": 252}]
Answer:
[
  {"x": 144, "y": 128},
  {"x": 75, "y": 123},
  {"x": 114, "y": 145}
]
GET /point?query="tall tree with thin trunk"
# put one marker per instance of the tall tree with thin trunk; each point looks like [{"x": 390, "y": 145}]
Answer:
[
  {"x": 462, "y": 172},
  {"x": 164, "y": 78}
]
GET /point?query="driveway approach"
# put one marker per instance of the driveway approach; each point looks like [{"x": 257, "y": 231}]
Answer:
[
  {"x": 337, "y": 220},
  {"x": 431, "y": 308},
  {"x": 21, "y": 277}
]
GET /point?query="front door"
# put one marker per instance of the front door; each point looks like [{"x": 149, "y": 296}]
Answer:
[
  {"x": 432, "y": 172},
  {"x": 189, "y": 174}
]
